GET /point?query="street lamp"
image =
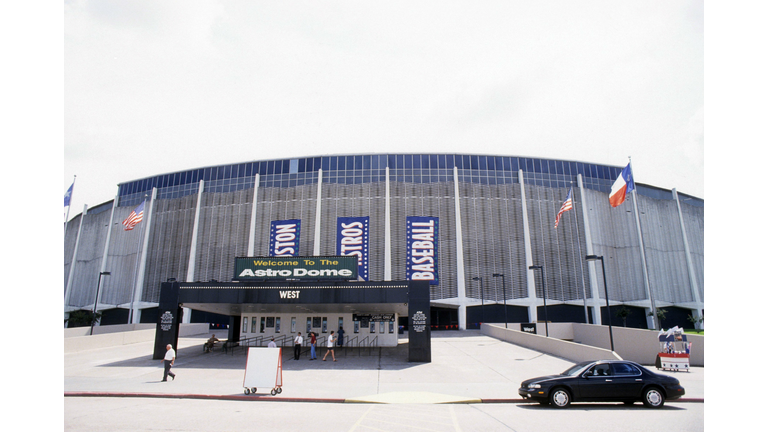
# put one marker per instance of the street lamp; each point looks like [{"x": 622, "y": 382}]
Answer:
[
  {"x": 96, "y": 301},
  {"x": 605, "y": 284},
  {"x": 544, "y": 289},
  {"x": 504, "y": 290},
  {"x": 482, "y": 299}
]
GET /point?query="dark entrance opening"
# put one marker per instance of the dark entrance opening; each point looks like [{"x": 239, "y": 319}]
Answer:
[{"x": 445, "y": 318}]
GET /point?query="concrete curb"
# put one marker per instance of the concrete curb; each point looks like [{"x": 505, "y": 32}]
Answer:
[{"x": 244, "y": 398}]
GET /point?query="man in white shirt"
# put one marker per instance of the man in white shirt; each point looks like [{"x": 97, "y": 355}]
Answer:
[
  {"x": 297, "y": 341},
  {"x": 170, "y": 356},
  {"x": 272, "y": 343}
]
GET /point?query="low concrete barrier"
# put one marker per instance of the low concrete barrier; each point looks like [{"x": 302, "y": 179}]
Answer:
[
  {"x": 637, "y": 345},
  {"x": 550, "y": 345},
  {"x": 77, "y": 339}
]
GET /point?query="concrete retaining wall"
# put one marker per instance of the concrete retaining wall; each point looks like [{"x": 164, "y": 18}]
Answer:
[
  {"x": 633, "y": 344},
  {"x": 637, "y": 345},
  {"x": 550, "y": 345},
  {"x": 77, "y": 339}
]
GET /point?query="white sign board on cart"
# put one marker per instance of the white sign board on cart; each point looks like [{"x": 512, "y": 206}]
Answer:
[{"x": 263, "y": 369}]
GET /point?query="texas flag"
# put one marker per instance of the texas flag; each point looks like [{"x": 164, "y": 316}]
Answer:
[{"x": 621, "y": 187}]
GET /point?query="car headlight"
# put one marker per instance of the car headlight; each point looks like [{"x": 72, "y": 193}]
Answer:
[{"x": 534, "y": 386}]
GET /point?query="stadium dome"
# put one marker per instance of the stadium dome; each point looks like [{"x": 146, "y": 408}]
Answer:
[{"x": 480, "y": 228}]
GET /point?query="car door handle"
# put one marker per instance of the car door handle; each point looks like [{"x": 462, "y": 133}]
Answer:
[
  {"x": 608, "y": 380},
  {"x": 639, "y": 380}
]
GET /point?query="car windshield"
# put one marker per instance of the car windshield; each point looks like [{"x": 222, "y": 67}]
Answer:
[{"x": 576, "y": 369}]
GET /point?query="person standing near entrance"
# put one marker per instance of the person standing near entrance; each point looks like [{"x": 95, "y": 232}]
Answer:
[
  {"x": 297, "y": 342},
  {"x": 170, "y": 357},
  {"x": 341, "y": 337},
  {"x": 331, "y": 341},
  {"x": 312, "y": 346}
]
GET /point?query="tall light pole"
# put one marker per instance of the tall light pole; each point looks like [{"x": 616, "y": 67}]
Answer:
[
  {"x": 504, "y": 290},
  {"x": 96, "y": 301},
  {"x": 605, "y": 284},
  {"x": 544, "y": 289},
  {"x": 482, "y": 299}
]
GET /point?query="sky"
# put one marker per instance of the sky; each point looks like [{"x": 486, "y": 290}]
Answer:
[{"x": 155, "y": 87}]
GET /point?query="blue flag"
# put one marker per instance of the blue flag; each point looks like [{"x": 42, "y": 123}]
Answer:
[{"x": 68, "y": 195}]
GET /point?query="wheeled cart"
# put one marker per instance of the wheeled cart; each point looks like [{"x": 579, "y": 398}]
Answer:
[
  {"x": 263, "y": 368},
  {"x": 674, "y": 351}
]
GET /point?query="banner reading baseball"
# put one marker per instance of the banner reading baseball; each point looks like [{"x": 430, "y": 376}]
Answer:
[
  {"x": 421, "y": 255},
  {"x": 284, "y": 238},
  {"x": 352, "y": 239}
]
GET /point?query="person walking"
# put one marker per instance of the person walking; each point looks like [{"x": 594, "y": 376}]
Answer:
[
  {"x": 297, "y": 342},
  {"x": 312, "y": 346},
  {"x": 331, "y": 341},
  {"x": 170, "y": 357}
]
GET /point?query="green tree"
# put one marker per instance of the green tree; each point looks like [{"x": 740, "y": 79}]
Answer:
[
  {"x": 696, "y": 321},
  {"x": 661, "y": 314},
  {"x": 82, "y": 318},
  {"x": 623, "y": 313}
]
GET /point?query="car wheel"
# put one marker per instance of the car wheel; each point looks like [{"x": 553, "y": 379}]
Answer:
[
  {"x": 653, "y": 398},
  {"x": 560, "y": 398}
]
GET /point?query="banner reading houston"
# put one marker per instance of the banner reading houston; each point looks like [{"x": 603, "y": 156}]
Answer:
[
  {"x": 421, "y": 255},
  {"x": 284, "y": 238},
  {"x": 352, "y": 240}
]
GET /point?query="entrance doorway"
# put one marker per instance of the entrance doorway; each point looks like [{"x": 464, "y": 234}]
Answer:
[{"x": 444, "y": 318}]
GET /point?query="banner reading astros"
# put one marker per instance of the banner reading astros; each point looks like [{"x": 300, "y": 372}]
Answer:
[
  {"x": 352, "y": 240},
  {"x": 421, "y": 232}
]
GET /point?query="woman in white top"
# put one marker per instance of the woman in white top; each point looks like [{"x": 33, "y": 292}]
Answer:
[{"x": 331, "y": 341}]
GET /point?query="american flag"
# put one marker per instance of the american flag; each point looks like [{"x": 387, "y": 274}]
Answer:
[
  {"x": 135, "y": 217},
  {"x": 567, "y": 205}
]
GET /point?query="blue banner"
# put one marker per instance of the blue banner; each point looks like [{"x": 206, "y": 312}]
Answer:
[
  {"x": 284, "y": 238},
  {"x": 421, "y": 252},
  {"x": 352, "y": 239}
]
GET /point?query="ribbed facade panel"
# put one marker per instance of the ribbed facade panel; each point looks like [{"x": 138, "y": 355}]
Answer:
[
  {"x": 169, "y": 243},
  {"x": 560, "y": 251},
  {"x": 693, "y": 218},
  {"x": 88, "y": 262},
  {"x": 615, "y": 238},
  {"x": 222, "y": 234}
]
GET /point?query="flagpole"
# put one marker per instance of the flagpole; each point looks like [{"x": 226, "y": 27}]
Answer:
[
  {"x": 66, "y": 218},
  {"x": 136, "y": 264},
  {"x": 642, "y": 248},
  {"x": 578, "y": 242}
]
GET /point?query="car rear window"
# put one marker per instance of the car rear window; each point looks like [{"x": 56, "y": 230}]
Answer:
[{"x": 625, "y": 369}]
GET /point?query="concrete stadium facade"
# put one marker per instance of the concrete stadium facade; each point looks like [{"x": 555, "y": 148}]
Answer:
[{"x": 495, "y": 215}]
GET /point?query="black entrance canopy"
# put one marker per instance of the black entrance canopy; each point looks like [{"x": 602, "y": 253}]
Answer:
[{"x": 407, "y": 298}]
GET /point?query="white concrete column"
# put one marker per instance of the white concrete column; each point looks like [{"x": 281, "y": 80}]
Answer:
[
  {"x": 72, "y": 265},
  {"x": 186, "y": 316},
  {"x": 689, "y": 262},
  {"x": 460, "y": 276},
  {"x": 318, "y": 213},
  {"x": 530, "y": 278},
  {"x": 593, "y": 288},
  {"x": 143, "y": 265},
  {"x": 252, "y": 230},
  {"x": 387, "y": 231}
]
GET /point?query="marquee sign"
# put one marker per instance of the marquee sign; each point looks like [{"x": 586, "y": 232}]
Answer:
[
  {"x": 421, "y": 252},
  {"x": 296, "y": 268},
  {"x": 352, "y": 240}
]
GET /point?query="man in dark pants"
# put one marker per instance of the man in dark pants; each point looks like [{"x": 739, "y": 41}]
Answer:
[
  {"x": 297, "y": 341},
  {"x": 341, "y": 337},
  {"x": 170, "y": 356}
]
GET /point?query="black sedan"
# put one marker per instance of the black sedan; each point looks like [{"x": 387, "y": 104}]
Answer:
[{"x": 603, "y": 381}]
